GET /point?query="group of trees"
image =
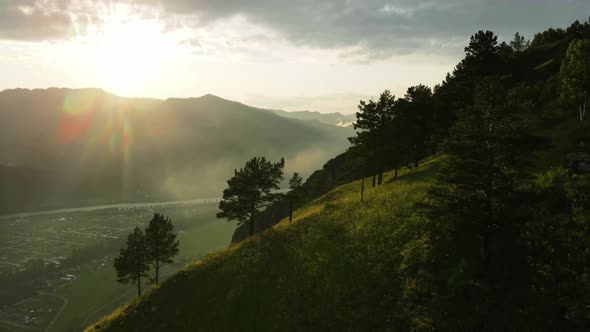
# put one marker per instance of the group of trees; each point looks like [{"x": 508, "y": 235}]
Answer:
[
  {"x": 254, "y": 188},
  {"x": 494, "y": 249},
  {"x": 473, "y": 216},
  {"x": 392, "y": 133},
  {"x": 489, "y": 253},
  {"x": 480, "y": 259},
  {"x": 145, "y": 249},
  {"x": 397, "y": 132}
]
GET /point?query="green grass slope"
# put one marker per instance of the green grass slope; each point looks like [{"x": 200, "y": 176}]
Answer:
[{"x": 333, "y": 268}]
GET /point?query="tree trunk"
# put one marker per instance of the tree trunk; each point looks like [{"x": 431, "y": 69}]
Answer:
[
  {"x": 489, "y": 217},
  {"x": 380, "y": 181},
  {"x": 395, "y": 175},
  {"x": 585, "y": 104},
  {"x": 252, "y": 213},
  {"x": 362, "y": 185},
  {"x": 374, "y": 176},
  {"x": 138, "y": 282},
  {"x": 416, "y": 158},
  {"x": 157, "y": 271},
  {"x": 433, "y": 145},
  {"x": 291, "y": 211},
  {"x": 138, "y": 271}
]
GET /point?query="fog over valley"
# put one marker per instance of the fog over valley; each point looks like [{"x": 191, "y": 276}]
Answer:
[{"x": 64, "y": 148}]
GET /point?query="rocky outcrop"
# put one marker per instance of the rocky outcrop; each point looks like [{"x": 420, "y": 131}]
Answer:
[{"x": 578, "y": 163}]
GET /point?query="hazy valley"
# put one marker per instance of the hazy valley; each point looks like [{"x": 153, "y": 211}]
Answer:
[
  {"x": 455, "y": 198},
  {"x": 68, "y": 148}
]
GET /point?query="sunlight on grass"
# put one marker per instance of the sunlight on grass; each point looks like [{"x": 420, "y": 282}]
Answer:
[{"x": 326, "y": 238}]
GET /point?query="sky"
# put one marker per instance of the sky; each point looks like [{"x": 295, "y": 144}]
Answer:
[{"x": 283, "y": 54}]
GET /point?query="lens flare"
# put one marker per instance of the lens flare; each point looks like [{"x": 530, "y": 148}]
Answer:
[
  {"x": 93, "y": 121},
  {"x": 78, "y": 110}
]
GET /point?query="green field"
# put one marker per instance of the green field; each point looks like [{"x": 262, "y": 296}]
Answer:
[{"x": 56, "y": 270}]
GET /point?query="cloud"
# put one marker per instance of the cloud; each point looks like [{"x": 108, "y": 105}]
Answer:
[
  {"x": 33, "y": 20},
  {"x": 344, "y": 103},
  {"x": 388, "y": 26},
  {"x": 379, "y": 27}
]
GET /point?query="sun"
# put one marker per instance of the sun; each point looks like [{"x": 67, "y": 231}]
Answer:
[{"x": 128, "y": 50}]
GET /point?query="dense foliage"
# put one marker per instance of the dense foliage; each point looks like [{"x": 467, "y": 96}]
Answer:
[
  {"x": 132, "y": 264},
  {"x": 152, "y": 247},
  {"x": 252, "y": 188},
  {"x": 575, "y": 76},
  {"x": 161, "y": 243},
  {"x": 489, "y": 234}
]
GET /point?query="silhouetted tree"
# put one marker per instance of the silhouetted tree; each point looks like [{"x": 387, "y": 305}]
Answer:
[
  {"x": 294, "y": 186},
  {"x": 373, "y": 118},
  {"x": 250, "y": 189},
  {"x": 519, "y": 43},
  {"x": 473, "y": 228},
  {"x": 132, "y": 264},
  {"x": 549, "y": 36},
  {"x": 416, "y": 122},
  {"x": 362, "y": 184},
  {"x": 575, "y": 76},
  {"x": 161, "y": 243},
  {"x": 483, "y": 57},
  {"x": 482, "y": 46}
]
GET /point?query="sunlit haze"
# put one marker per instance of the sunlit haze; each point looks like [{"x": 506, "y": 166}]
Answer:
[
  {"x": 294, "y": 165},
  {"x": 293, "y": 57}
]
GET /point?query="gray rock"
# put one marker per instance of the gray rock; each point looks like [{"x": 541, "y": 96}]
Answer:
[{"x": 578, "y": 163}]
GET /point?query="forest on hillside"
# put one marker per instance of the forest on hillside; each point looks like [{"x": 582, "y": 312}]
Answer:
[
  {"x": 476, "y": 215},
  {"x": 545, "y": 79},
  {"x": 497, "y": 240}
]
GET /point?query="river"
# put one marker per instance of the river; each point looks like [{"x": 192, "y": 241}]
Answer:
[{"x": 109, "y": 206}]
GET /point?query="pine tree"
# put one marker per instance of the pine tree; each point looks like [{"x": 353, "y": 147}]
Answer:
[
  {"x": 161, "y": 243},
  {"x": 470, "y": 247},
  {"x": 132, "y": 264},
  {"x": 519, "y": 43},
  {"x": 415, "y": 117},
  {"x": 294, "y": 185},
  {"x": 483, "y": 46},
  {"x": 373, "y": 118},
  {"x": 251, "y": 189}
]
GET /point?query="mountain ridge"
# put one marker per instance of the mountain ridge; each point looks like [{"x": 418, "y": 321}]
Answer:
[
  {"x": 135, "y": 147},
  {"x": 335, "y": 118}
]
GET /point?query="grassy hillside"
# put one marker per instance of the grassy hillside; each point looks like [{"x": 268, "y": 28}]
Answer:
[
  {"x": 333, "y": 267},
  {"x": 341, "y": 265}
]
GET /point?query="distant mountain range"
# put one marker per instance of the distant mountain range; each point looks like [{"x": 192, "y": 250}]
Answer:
[
  {"x": 337, "y": 119},
  {"x": 64, "y": 147}
]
